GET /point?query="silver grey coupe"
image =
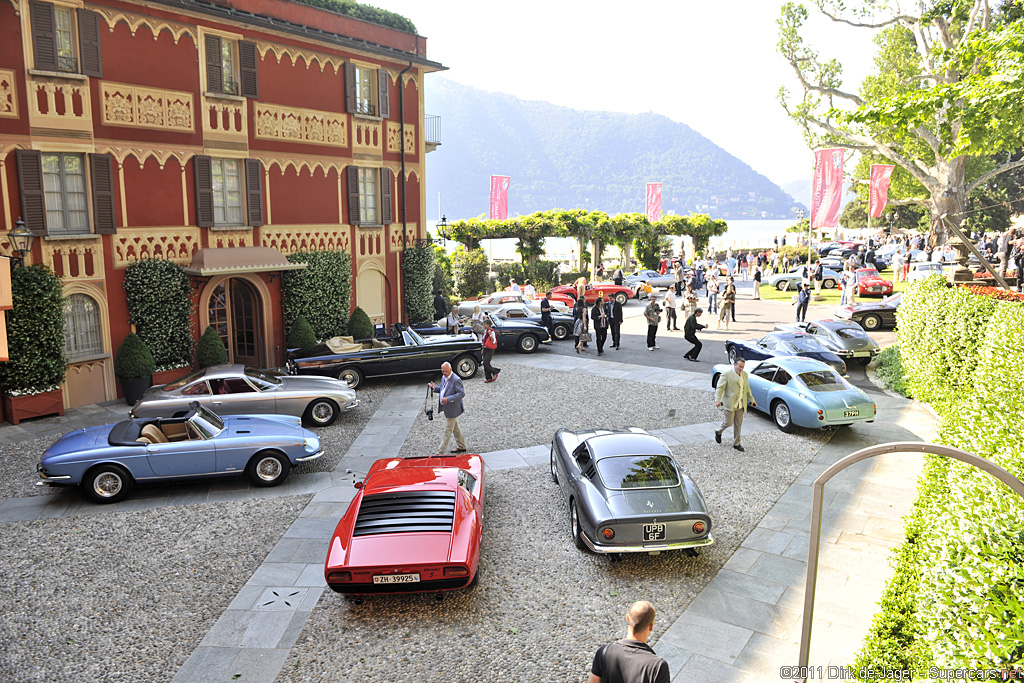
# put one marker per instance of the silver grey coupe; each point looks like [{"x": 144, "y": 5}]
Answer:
[
  {"x": 240, "y": 390},
  {"x": 626, "y": 493}
]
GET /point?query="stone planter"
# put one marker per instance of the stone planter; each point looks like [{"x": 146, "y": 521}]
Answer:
[
  {"x": 18, "y": 408},
  {"x": 134, "y": 387},
  {"x": 168, "y": 376}
]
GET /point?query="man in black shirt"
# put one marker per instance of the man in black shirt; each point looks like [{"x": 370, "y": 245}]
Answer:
[
  {"x": 690, "y": 328},
  {"x": 631, "y": 660},
  {"x": 440, "y": 306}
]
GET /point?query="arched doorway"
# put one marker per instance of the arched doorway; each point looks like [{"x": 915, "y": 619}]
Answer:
[{"x": 235, "y": 311}]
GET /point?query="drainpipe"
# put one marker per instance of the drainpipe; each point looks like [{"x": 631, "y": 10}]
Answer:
[{"x": 405, "y": 210}]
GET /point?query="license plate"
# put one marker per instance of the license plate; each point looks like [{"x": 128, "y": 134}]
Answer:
[
  {"x": 397, "y": 578},
  {"x": 654, "y": 532},
  {"x": 851, "y": 413},
  {"x": 861, "y": 354}
]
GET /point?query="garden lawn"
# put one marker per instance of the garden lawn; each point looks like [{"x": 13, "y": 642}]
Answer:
[{"x": 828, "y": 296}]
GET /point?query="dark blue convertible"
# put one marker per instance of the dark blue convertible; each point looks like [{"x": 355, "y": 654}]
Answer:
[{"x": 784, "y": 344}]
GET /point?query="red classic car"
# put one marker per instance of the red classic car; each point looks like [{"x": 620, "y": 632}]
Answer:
[
  {"x": 870, "y": 283},
  {"x": 414, "y": 526},
  {"x": 610, "y": 289}
]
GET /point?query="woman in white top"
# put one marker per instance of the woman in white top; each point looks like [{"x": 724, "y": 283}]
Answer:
[
  {"x": 477, "y": 323},
  {"x": 528, "y": 291}
]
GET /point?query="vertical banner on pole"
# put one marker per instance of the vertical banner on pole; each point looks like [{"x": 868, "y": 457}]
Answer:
[
  {"x": 499, "y": 197},
  {"x": 827, "y": 188},
  {"x": 881, "y": 174},
  {"x": 654, "y": 202}
]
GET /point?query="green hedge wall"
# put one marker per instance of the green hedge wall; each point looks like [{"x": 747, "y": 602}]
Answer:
[
  {"x": 469, "y": 269},
  {"x": 358, "y": 10},
  {"x": 964, "y": 354},
  {"x": 159, "y": 296},
  {"x": 35, "y": 333},
  {"x": 322, "y": 292},
  {"x": 419, "y": 280}
]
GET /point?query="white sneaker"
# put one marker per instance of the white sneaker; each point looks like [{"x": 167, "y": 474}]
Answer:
[
  {"x": 651, "y": 348},
  {"x": 656, "y": 347}
]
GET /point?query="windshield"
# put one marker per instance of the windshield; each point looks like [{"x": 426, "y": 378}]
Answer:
[
  {"x": 207, "y": 423},
  {"x": 261, "y": 376},
  {"x": 187, "y": 379},
  {"x": 416, "y": 337},
  {"x": 893, "y": 300},
  {"x": 850, "y": 332},
  {"x": 868, "y": 273},
  {"x": 823, "y": 380},
  {"x": 637, "y": 471},
  {"x": 804, "y": 344}
]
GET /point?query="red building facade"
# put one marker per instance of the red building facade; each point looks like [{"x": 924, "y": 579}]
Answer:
[{"x": 176, "y": 130}]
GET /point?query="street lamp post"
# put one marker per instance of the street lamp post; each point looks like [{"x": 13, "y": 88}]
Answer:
[
  {"x": 21, "y": 240},
  {"x": 440, "y": 239}
]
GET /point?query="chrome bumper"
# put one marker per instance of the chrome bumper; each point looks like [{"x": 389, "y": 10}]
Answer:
[
  {"x": 354, "y": 404},
  {"x": 52, "y": 481},
  {"x": 646, "y": 548},
  {"x": 311, "y": 457}
]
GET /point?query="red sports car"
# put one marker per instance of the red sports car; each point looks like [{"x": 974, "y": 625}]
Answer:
[
  {"x": 414, "y": 526},
  {"x": 611, "y": 291},
  {"x": 870, "y": 283}
]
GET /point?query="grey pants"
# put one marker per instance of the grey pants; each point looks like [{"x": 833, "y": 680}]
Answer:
[
  {"x": 453, "y": 428},
  {"x": 734, "y": 418}
]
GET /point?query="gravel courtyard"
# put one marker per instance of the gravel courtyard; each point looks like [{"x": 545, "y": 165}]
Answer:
[{"x": 542, "y": 607}]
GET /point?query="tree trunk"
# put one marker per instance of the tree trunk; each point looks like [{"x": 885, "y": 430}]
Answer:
[
  {"x": 948, "y": 198},
  {"x": 581, "y": 243},
  {"x": 595, "y": 259},
  {"x": 625, "y": 254}
]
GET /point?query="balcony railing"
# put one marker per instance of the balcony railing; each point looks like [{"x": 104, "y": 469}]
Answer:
[
  {"x": 432, "y": 123},
  {"x": 67, "y": 65}
]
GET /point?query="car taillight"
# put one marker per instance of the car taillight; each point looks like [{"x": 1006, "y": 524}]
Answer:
[
  {"x": 456, "y": 571},
  {"x": 875, "y": 407},
  {"x": 698, "y": 527},
  {"x": 339, "y": 576},
  {"x": 608, "y": 534}
]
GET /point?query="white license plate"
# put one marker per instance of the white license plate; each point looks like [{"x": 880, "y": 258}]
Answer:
[
  {"x": 861, "y": 354},
  {"x": 654, "y": 532},
  {"x": 846, "y": 413},
  {"x": 397, "y": 578}
]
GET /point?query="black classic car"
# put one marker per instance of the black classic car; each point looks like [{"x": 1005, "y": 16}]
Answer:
[
  {"x": 401, "y": 351},
  {"x": 874, "y": 315},
  {"x": 520, "y": 335},
  {"x": 560, "y": 322},
  {"x": 846, "y": 339},
  {"x": 626, "y": 493},
  {"x": 783, "y": 344}
]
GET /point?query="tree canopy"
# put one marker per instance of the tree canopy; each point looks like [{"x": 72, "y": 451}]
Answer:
[{"x": 944, "y": 105}]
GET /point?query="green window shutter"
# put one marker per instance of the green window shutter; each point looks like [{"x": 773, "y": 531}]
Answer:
[
  {"x": 353, "y": 195},
  {"x": 350, "y": 88},
  {"x": 385, "y": 196},
  {"x": 254, "y": 192},
  {"x": 30, "y": 184},
  {"x": 383, "y": 103},
  {"x": 214, "y": 70},
  {"x": 44, "y": 35},
  {"x": 248, "y": 69},
  {"x": 202, "y": 168},
  {"x": 91, "y": 59},
  {"x": 101, "y": 171}
]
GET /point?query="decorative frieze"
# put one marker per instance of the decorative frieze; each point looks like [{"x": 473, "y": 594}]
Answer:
[
  {"x": 395, "y": 236},
  {"x": 370, "y": 242},
  {"x": 173, "y": 244},
  {"x": 289, "y": 239},
  {"x": 79, "y": 259},
  {"x": 366, "y": 135},
  {"x": 128, "y": 105},
  {"x": 395, "y": 132},
  {"x": 56, "y": 103},
  {"x": 225, "y": 118},
  {"x": 8, "y": 94},
  {"x": 274, "y": 122},
  {"x": 224, "y": 239}
]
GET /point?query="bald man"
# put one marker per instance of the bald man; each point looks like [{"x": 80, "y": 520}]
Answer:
[
  {"x": 631, "y": 660},
  {"x": 450, "y": 395}
]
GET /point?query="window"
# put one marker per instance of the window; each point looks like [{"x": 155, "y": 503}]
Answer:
[
  {"x": 766, "y": 372},
  {"x": 65, "y": 40},
  {"x": 227, "y": 191},
  {"x": 366, "y": 91},
  {"x": 368, "y": 196},
  {"x": 637, "y": 471},
  {"x": 197, "y": 389},
  {"x": 231, "y": 66},
  {"x": 67, "y": 210},
  {"x": 82, "y": 332}
]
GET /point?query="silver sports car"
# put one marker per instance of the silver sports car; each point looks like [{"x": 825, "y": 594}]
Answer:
[
  {"x": 239, "y": 390},
  {"x": 626, "y": 494}
]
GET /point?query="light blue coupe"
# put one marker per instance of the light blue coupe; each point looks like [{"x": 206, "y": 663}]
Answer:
[
  {"x": 107, "y": 461},
  {"x": 803, "y": 392}
]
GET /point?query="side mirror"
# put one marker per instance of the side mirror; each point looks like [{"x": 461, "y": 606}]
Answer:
[{"x": 358, "y": 485}]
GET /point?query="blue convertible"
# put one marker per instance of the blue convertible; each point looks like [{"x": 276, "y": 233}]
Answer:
[
  {"x": 107, "y": 461},
  {"x": 776, "y": 344},
  {"x": 803, "y": 392}
]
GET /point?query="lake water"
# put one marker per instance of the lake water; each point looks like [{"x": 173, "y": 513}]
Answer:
[{"x": 742, "y": 234}]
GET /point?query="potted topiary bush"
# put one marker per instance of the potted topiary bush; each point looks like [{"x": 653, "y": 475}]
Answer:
[
  {"x": 301, "y": 335},
  {"x": 211, "y": 349},
  {"x": 359, "y": 325},
  {"x": 134, "y": 366}
]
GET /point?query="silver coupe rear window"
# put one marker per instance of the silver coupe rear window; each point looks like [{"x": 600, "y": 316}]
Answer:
[{"x": 637, "y": 471}]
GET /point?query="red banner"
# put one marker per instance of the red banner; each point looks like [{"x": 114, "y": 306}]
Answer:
[
  {"x": 499, "y": 197},
  {"x": 827, "y": 188},
  {"x": 653, "y": 202},
  {"x": 881, "y": 174}
]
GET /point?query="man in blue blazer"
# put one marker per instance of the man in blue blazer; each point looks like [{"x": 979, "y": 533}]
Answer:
[{"x": 450, "y": 395}]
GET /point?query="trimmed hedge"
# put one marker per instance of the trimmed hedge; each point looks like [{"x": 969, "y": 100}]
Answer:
[
  {"x": 159, "y": 296},
  {"x": 469, "y": 268},
  {"x": 419, "y": 279},
  {"x": 889, "y": 369},
  {"x": 133, "y": 359},
  {"x": 300, "y": 335},
  {"x": 322, "y": 292},
  {"x": 367, "y": 13},
  {"x": 211, "y": 349},
  {"x": 360, "y": 327},
  {"x": 963, "y": 353},
  {"x": 35, "y": 333}
]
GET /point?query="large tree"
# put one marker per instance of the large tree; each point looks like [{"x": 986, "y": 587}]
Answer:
[{"x": 945, "y": 105}]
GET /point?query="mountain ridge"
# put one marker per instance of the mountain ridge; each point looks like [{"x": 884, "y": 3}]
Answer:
[{"x": 560, "y": 157}]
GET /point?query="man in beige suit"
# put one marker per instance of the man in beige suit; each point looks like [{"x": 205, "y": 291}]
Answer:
[{"x": 732, "y": 395}]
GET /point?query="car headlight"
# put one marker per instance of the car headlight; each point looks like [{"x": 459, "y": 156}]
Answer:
[{"x": 311, "y": 445}]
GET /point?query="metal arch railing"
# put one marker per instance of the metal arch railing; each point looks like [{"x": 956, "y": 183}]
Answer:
[{"x": 819, "y": 487}]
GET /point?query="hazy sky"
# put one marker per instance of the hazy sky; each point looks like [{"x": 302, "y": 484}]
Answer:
[{"x": 711, "y": 64}]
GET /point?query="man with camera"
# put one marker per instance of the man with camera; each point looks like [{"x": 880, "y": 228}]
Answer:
[{"x": 450, "y": 395}]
